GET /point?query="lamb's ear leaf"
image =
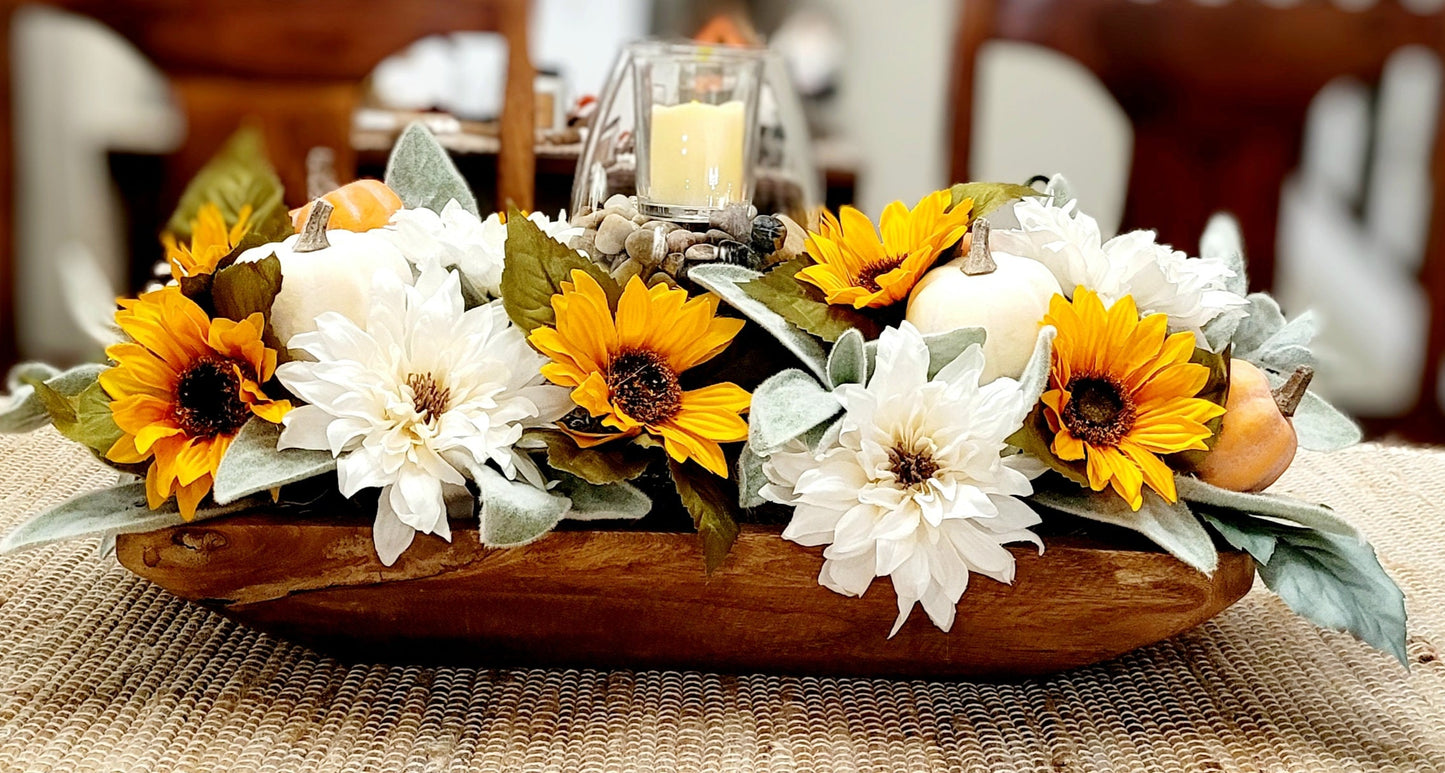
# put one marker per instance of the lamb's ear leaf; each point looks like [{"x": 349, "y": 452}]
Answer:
[
  {"x": 1222, "y": 241},
  {"x": 751, "y": 478},
  {"x": 423, "y": 176},
  {"x": 612, "y": 501},
  {"x": 106, "y": 512},
  {"x": 711, "y": 506},
  {"x": 846, "y": 362},
  {"x": 725, "y": 281},
  {"x": 253, "y": 464},
  {"x": 785, "y": 407},
  {"x": 944, "y": 348},
  {"x": 1035, "y": 378},
  {"x": 1318, "y": 425},
  {"x": 1169, "y": 525},
  {"x": 1319, "y": 517},
  {"x": 1334, "y": 581},
  {"x": 514, "y": 512}
]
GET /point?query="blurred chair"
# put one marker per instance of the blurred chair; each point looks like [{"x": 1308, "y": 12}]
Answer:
[
  {"x": 1217, "y": 95},
  {"x": 293, "y": 67}
]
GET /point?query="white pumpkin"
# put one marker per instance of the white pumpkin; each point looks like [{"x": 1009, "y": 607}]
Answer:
[
  {"x": 1006, "y": 295},
  {"x": 334, "y": 278}
]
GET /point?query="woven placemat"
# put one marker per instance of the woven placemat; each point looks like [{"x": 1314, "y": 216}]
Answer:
[{"x": 100, "y": 671}]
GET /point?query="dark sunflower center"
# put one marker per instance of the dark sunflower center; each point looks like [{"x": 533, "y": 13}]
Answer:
[
  {"x": 1099, "y": 411},
  {"x": 208, "y": 398},
  {"x": 868, "y": 277},
  {"x": 911, "y": 467},
  {"x": 430, "y": 398},
  {"x": 644, "y": 386}
]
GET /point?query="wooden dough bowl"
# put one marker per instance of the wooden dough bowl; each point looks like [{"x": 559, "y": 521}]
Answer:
[{"x": 636, "y": 599}]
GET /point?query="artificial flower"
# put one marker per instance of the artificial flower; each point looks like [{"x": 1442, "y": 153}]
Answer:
[
  {"x": 210, "y": 241},
  {"x": 624, "y": 369},
  {"x": 912, "y": 483},
  {"x": 415, "y": 399},
  {"x": 335, "y": 279},
  {"x": 854, "y": 268},
  {"x": 456, "y": 238},
  {"x": 181, "y": 390},
  {"x": 1189, "y": 291},
  {"x": 1121, "y": 393}
]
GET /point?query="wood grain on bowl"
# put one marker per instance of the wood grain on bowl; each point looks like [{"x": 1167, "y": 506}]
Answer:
[{"x": 641, "y": 600}]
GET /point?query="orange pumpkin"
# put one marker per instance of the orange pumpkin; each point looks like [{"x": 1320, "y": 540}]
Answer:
[{"x": 357, "y": 206}]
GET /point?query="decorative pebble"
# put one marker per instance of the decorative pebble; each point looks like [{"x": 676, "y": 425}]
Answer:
[
  {"x": 615, "y": 262},
  {"x": 621, "y": 205},
  {"x": 661, "y": 225},
  {"x": 585, "y": 242},
  {"x": 647, "y": 246},
  {"x": 641, "y": 219},
  {"x": 768, "y": 234},
  {"x": 662, "y": 278},
  {"x": 701, "y": 253},
  {"x": 612, "y": 234},
  {"x": 681, "y": 239},
  {"x": 793, "y": 244},
  {"x": 627, "y": 270},
  {"x": 739, "y": 254},
  {"x": 591, "y": 219},
  {"x": 734, "y": 218},
  {"x": 718, "y": 236},
  {"x": 672, "y": 264}
]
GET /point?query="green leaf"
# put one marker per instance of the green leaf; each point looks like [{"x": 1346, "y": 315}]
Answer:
[
  {"x": 608, "y": 463},
  {"x": 423, "y": 175},
  {"x": 785, "y": 407},
  {"x": 614, "y": 501},
  {"x": 106, "y": 512},
  {"x": 1271, "y": 505},
  {"x": 25, "y": 410},
  {"x": 536, "y": 266},
  {"x": 727, "y": 282},
  {"x": 988, "y": 197},
  {"x": 1331, "y": 580},
  {"x": 242, "y": 289},
  {"x": 1223, "y": 242},
  {"x": 253, "y": 464},
  {"x": 514, "y": 512},
  {"x": 847, "y": 362},
  {"x": 1170, "y": 526},
  {"x": 84, "y": 418},
  {"x": 236, "y": 176},
  {"x": 1035, "y": 378},
  {"x": 802, "y": 305},
  {"x": 751, "y": 478},
  {"x": 943, "y": 348},
  {"x": 1322, "y": 427},
  {"x": 712, "y": 510}
]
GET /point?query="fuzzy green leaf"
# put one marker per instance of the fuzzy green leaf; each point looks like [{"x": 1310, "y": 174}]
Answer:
[
  {"x": 803, "y": 305},
  {"x": 514, "y": 512},
  {"x": 236, "y": 176},
  {"x": 727, "y": 282},
  {"x": 536, "y": 266},
  {"x": 751, "y": 478},
  {"x": 712, "y": 509},
  {"x": 1223, "y": 242},
  {"x": 785, "y": 407},
  {"x": 1170, "y": 526},
  {"x": 423, "y": 175},
  {"x": 1035, "y": 378},
  {"x": 1331, "y": 580},
  {"x": 614, "y": 501},
  {"x": 600, "y": 465},
  {"x": 253, "y": 464},
  {"x": 1318, "y": 425},
  {"x": 1271, "y": 505},
  {"x": 847, "y": 362},
  {"x": 106, "y": 512},
  {"x": 988, "y": 197}
]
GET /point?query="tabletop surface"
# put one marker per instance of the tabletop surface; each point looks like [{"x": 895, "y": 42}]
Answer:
[{"x": 101, "y": 671}]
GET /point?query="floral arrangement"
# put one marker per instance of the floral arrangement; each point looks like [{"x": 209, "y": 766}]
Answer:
[{"x": 910, "y": 398}]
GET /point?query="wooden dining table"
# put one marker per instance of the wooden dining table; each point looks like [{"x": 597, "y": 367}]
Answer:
[{"x": 102, "y": 671}]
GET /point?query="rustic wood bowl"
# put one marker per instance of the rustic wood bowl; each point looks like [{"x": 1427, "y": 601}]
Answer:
[{"x": 640, "y": 599}]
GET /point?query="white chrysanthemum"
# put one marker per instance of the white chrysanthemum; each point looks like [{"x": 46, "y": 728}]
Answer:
[
  {"x": 416, "y": 398},
  {"x": 1162, "y": 280},
  {"x": 458, "y": 239},
  {"x": 910, "y": 483}
]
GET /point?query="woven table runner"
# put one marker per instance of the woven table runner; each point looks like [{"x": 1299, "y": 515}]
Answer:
[{"x": 101, "y": 671}]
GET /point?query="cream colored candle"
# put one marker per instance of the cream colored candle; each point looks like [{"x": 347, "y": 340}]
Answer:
[{"x": 696, "y": 156}]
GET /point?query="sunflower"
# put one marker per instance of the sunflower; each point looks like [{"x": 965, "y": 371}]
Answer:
[
  {"x": 1121, "y": 393},
  {"x": 624, "y": 368},
  {"x": 210, "y": 241},
  {"x": 855, "y": 269},
  {"x": 182, "y": 389}
]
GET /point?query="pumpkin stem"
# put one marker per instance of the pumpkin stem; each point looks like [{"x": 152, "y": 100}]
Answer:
[
  {"x": 320, "y": 172},
  {"x": 1289, "y": 395},
  {"x": 313, "y": 234},
  {"x": 979, "y": 260}
]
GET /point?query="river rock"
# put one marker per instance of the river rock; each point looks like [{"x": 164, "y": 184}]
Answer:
[
  {"x": 701, "y": 253},
  {"x": 795, "y": 241},
  {"x": 612, "y": 234},
  {"x": 738, "y": 254},
  {"x": 768, "y": 234},
  {"x": 628, "y": 269},
  {"x": 734, "y": 218},
  {"x": 647, "y": 246},
  {"x": 681, "y": 239},
  {"x": 621, "y": 205}
]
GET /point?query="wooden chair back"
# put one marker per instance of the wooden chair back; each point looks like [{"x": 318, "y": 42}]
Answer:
[{"x": 1217, "y": 95}]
